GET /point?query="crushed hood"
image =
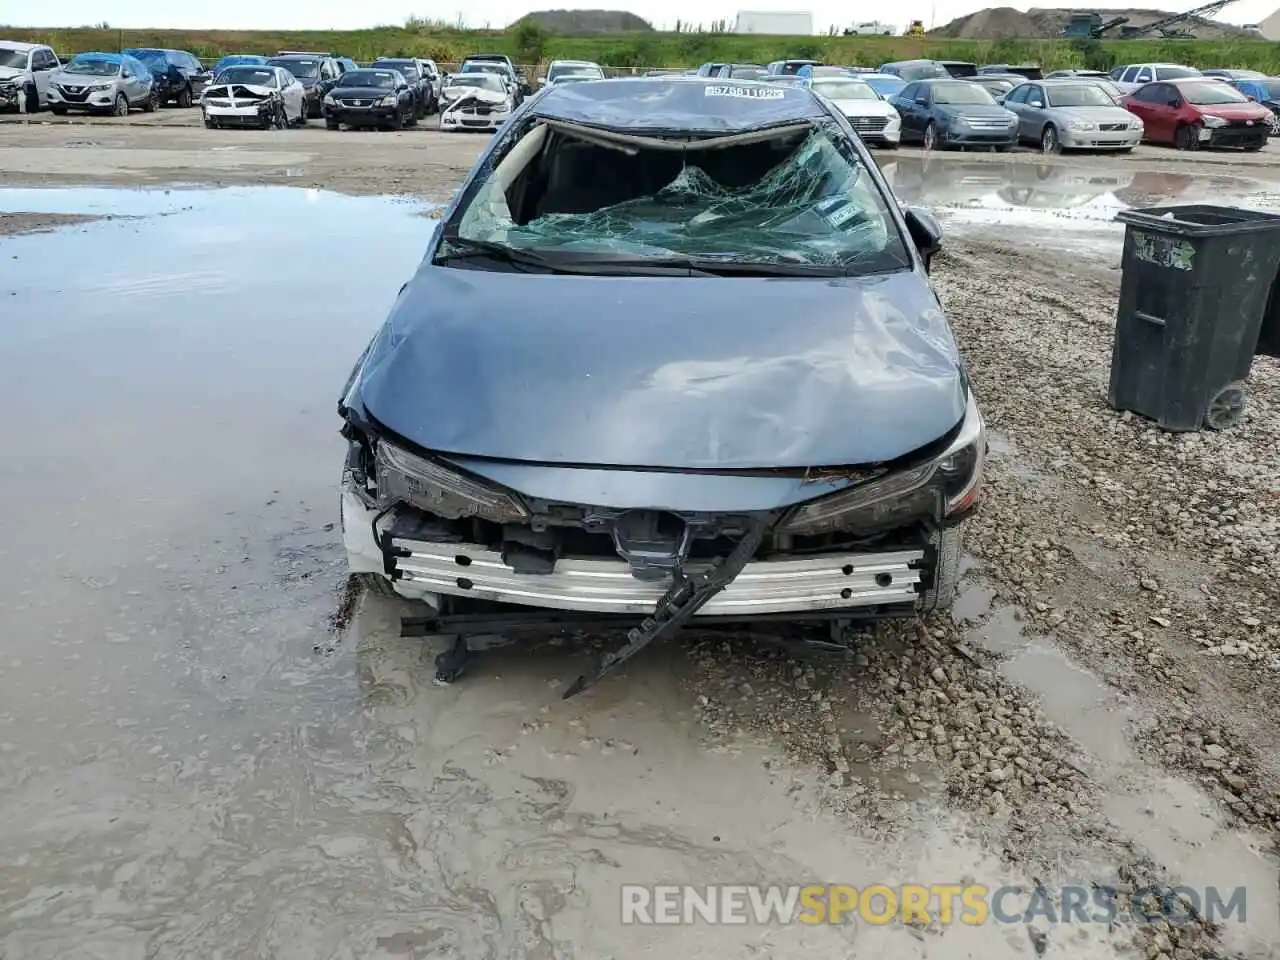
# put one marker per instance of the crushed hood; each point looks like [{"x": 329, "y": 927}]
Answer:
[
  {"x": 7, "y": 72},
  {"x": 247, "y": 90},
  {"x": 665, "y": 372},
  {"x": 688, "y": 105}
]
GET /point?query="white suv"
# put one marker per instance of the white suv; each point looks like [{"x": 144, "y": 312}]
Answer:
[
  {"x": 25, "y": 68},
  {"x": 1131, "y": 76}
]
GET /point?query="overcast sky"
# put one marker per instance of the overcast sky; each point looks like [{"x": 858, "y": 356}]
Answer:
[{"x": 303, "y": 14}]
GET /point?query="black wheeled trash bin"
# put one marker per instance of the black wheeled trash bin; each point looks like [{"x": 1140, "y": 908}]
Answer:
[{"x": 1195, "y": 287}]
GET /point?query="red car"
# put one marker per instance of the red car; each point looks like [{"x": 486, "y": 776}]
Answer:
[{"x": 1199, "y": 112}]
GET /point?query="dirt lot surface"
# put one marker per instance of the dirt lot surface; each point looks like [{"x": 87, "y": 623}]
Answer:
[{"x": 210, "y": 747}]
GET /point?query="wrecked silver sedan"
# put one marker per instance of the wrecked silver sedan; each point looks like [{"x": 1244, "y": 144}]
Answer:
[{"x": 672, "y": 352}]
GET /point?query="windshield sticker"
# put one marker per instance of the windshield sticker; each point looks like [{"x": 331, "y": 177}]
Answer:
[{"x": 745, "y": 93}]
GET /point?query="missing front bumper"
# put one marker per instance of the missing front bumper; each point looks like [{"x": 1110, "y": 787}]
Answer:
[
  {"x": 789, "y": 585},
  {"x": 828, "y": 582}
]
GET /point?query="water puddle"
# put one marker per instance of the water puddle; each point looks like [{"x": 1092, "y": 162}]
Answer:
[
  {"x": 193, "y": 765},
  {"x": 1074, "y": 204},
  {"x": 1176, "y": 823}
]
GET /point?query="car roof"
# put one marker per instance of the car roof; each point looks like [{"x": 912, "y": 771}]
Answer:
[
  {"x": 109, "y": 57},
  {"x": 19, "y": 46},
  {"x": 683, "y": 105},
  {"x": 300, "y": 56}
]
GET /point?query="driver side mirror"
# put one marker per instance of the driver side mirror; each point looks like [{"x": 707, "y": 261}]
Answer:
[
  {"x": 1035, "y": 103},
  {"x": 1175, "y": 102},
  {"x": 923, "y": 101},
  {"x": 925, "y": 232}
]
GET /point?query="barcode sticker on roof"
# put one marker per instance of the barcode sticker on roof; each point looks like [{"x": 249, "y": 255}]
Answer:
[{"x": 745, "y": 93}]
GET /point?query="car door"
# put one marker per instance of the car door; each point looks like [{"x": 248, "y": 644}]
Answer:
[
  {"x": 133, "y": 77},
  {"x": 1016, "y": 102},
  {"x": 1032, "y": 119},
  {"x": 1158, "y": 117},
  {"x": 200, "y": 77},
  {"x": 43, "y": 63},
  {"x": 290, "y": 93},
  {"x": 909, "y": 110},
  {"x": 405, "y": 99}
]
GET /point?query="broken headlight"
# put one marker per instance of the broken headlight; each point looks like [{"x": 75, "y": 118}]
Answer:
[
  {"x": 938, "y": 488},
  {"x": 431, "y": 486}
]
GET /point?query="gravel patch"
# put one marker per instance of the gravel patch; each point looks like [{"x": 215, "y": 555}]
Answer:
[{"x": 1153, "y": 555}]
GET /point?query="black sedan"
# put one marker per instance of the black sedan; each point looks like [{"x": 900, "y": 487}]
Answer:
[
  {"x": 318, "y": 74},
  {"x": 594, "y": 399},
  {"x": 421, "y": 85},
  {"x": 179, "y": 77},
  {"x": 371, "y": 98}
]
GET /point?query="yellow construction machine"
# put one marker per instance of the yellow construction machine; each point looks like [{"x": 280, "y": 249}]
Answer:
[{"x": 915, "y": 30}]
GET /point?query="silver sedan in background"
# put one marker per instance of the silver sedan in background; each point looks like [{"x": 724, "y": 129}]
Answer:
[{"x": 1072, "y": 115}]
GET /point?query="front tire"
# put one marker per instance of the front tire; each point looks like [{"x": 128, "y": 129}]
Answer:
[
  {"x": 121, "y": 107},
  {"x": 184, "y": 96},
  {"x": 1187, "y": 137},
  {"x": 331, "y": 124},
  {"x": 33, "y": 99},
  {"x": 152, "y": 104},
  {"x": 948, "y": 546},
  {"x": 1049, "y": 142},
  {"x": 931, "y": 136}
]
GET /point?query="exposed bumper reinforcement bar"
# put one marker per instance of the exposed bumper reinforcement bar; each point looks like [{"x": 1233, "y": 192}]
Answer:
[{"x": 827, "y": 582}]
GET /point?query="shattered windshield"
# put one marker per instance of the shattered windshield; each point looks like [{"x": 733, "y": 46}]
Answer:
[
  {"x": 93, "y": 67},
  {"x": 253, "y": 76},
  {"x": 797, "y": 196},
  {"x": 844, "y": 90}
]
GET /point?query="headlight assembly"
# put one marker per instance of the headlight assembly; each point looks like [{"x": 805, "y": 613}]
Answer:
[
  {"x": 404, "y": 476},
  {"x": 1082, "y": 125},
  {"x": 1212, "y": 122},
  {"x": 941, "y": 487}
]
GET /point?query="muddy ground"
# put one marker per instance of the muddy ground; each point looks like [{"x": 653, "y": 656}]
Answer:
[{"x": 195, "y": 762}]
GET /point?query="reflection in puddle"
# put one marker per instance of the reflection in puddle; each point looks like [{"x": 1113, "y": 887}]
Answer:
[{"x": 1062, "y": 198}]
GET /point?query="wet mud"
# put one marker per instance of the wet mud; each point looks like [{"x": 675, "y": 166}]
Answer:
[{"x": 212, "y": 745}]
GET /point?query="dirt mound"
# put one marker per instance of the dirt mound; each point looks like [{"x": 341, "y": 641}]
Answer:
[
  {"x": 583, "y": 23},
  {"x": 994, "y": 23},
  {"x": 1006, "y": 23}
]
